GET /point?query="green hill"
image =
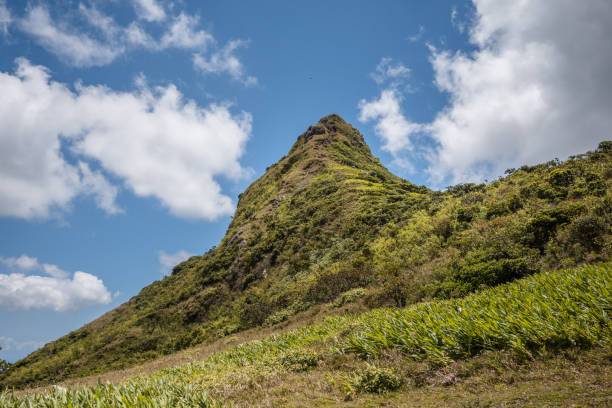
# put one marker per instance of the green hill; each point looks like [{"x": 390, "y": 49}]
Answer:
[{"x": 329, "y": 225}]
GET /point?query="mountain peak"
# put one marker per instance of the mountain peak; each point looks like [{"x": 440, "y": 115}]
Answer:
[
  {"x": 328, "y": 129},
  {"x": 331, "y": 156}
]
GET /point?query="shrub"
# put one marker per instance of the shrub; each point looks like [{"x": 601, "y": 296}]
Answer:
[
  {"x": 349, "y": 296},
  {"x": 497, "y": 209},
  {"x": 466, "y": 215},
  {"x": 377, "y": 380},
  {"x": 299, "y": 360},
  {"x": 587, "y": 231},
  {"x": 491, "y": 272},
  {"x": 286, "y": 313},
  {"x": 561, "y": 178},
  {"x": 544, "y": 224}
]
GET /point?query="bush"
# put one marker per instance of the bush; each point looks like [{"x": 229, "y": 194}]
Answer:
[
  {"x": 561, "y": 178},
  {"x": 299, "y": 360},
  {"x": 466, "y": 215},
  {"x": 378, "y": 380},
  {"x": 588, "y": 231},
  {"x": 349, "y": 296},
  {"x": 286, "y": 313},
  {"x": 544, "y": 224},
  {"x": 336, "y": 280},
  {"x": 493, "y": 272}
]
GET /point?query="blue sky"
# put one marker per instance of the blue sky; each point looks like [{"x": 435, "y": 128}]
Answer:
[{"x": 127, "y": 129}]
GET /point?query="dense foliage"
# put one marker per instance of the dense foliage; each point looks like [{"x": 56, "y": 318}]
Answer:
[{"x": 328, "y": 223}]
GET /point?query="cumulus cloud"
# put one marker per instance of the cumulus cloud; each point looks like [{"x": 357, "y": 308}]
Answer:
[
  {"x": 73, "y": 47},
  {"x": 23, "y": 262},
  {"x": 224, "y": 61},
  {"x": 391, "y": 125},
  {"x": 35, "y": 178},
  {"x": 57, "y": 291},
  {"x": 169, "y": 261},
  {"x": 537, "y": 86},
  {"x": 153, "y": 140},
  {"x": 19, "y": 291},
  {"x": 149, "y": 10}
]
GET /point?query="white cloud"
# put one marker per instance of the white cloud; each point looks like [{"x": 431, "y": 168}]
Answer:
[
  {"x": 24, "y": 262},
  {"x": 149, "y": 10},
  {"x": 5, "y": 17},
  {"x": 386, "y": 70},
  {"x": 105, "y": 24},
  {"x": 57, "y": 291},
  {"x": 102, "y": 40},
  {"x": 81, "y": 48},
  {"x": 19, "y": 291},
  {"x": 131, "y": 36},
  {"x": 137, "y": 36},
  {"x": 94, "y": 183},
  {"x": 183, "y": 33},
  {"x": 536, "y": 87},
  {"x": 224, "y": 61},
  {"x": 54, "y": 271},
  {"x": 35, "y": 178},
  {"x": 73, "y": 47},
  {"x": 391, "y": 125},
  {"x": 169, "y": 261},
  {"x": 158, "y": 144}
]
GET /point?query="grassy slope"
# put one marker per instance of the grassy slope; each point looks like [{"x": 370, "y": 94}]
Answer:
[
  {"x": 329, "y": 222},
  {"x": 560, "y": 355}
]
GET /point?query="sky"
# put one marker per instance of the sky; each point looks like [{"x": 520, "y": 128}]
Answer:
[{"x": 128, "y": 128}]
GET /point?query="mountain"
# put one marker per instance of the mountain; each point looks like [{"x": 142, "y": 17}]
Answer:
[{"x": 329, "y": 226}]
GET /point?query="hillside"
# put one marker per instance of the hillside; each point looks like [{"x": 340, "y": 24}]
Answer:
[
  {"x": 544, "y": 340},
  {"x": 328, "y": 223}
]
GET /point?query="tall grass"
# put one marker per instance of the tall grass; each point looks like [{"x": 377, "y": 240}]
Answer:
[
  {"x": 142, "y": 392},
  {"x": 566, "y": 308}
]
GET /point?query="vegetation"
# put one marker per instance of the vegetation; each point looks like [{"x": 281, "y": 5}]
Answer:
[
  {"x": 551, "y": 310},
  {"x": 328, "y": 223},
  {"x": 150, "y": 392},
  {"x": 561, "y": 312}
]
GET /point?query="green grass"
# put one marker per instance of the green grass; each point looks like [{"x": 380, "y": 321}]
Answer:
[
  {"x": 548, "y": 312},
  {"x": 143, "y": 392}
]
